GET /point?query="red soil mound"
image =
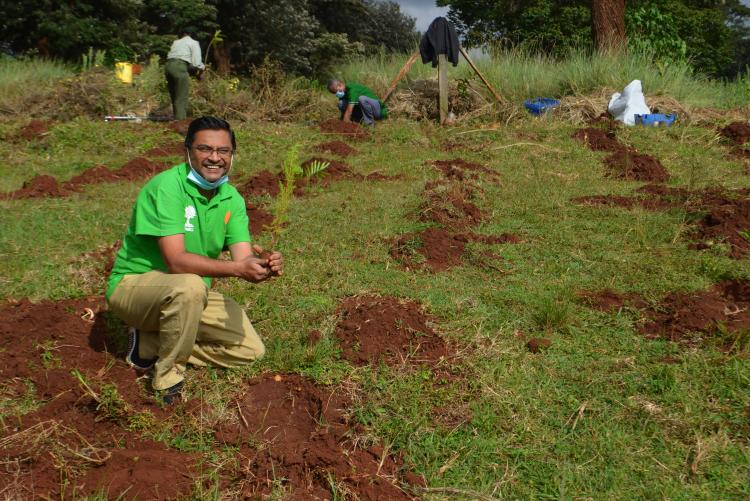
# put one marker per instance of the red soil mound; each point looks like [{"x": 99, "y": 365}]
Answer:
[
  {"x": 167, "y": 150},
  {"x": 40, "y": 186},
  {"x": 609, "y": 300},
  {"x": 459, "y": 169},
  {"x": 259, "y": 219},
  {"x": 289, "y": 428},
  {"x": 448, "y": 206},
  {"x": 262, "y": 183},
  {"x": 537, "y": 344},
  {"x": 438, "y": 249},
  {"x": 337, "y": 148},
  {"x": 36, "y": 130},
  {"x": 349, "y": 129},
  {"x": 691, "y": 317},
  {"x": 336, "y": 170},
  {"x": 144, "y": 470},
  {"x": 627, "y": 164},
  {"x": 139, "y": 168},
  {"x": 374, "y": 328},
  {"x": 737, "y": 132},
  {"x": 598, "y": 139},
  {"x": 93, "y": 175},
  {"x": 72, "y": 435},
  {"x": 727, "y": 221}
]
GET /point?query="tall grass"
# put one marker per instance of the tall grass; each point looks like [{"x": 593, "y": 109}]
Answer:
[
  {"x": 522, "y": 73},
  {"x": 19, "y": 78}
]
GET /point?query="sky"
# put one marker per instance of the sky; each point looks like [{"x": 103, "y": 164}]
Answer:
[{"x": 423, "y": 10}]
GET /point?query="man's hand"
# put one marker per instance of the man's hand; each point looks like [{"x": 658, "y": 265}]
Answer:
[
  {"x": 347, "y": 117},
  {"x": 253, "y": 269},
  {"x": 273, "y": 261}
]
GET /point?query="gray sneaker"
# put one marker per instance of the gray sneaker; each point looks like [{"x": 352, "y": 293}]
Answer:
[{"x": 132, "y": 357}]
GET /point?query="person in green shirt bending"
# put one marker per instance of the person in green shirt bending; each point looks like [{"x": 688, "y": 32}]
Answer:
[
  {"x": 160, "y": 282},
  {"x": 357, "y": 103}
]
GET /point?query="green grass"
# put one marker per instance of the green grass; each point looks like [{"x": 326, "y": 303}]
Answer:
[
  {"x": 19, "y": 78},
  {"x": 519, "y": 74},
  {"x": 595, "y": 416}
]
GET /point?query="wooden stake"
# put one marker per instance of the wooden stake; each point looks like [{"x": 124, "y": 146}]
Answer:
[
  {"x": 486, "y": 82},
  {"x": 443, "y": 87},
  {"x": 409, "y": 63}
]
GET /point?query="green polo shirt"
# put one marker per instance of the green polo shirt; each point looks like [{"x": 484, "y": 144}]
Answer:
[
  {"x": 354, "y": 90},
  {"x": 170, "y": 204}
]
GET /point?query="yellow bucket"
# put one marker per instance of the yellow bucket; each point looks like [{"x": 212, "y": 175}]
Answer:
[{"x": 124, "y": 72}]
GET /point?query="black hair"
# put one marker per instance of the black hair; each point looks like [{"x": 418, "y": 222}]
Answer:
[
  {"x": 188, "y": 30},
  {"x": 208, "y": 123},
  {"x": 332, "y": 82}
]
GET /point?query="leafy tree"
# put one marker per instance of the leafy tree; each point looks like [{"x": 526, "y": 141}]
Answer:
[
  {"x": 714, "y": 31},
  {"x": 67, "y": 29},
  {"x": 388, "y": 27}
]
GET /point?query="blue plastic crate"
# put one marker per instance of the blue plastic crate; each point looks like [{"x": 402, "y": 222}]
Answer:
[
  {"x": 656, "y": 119},
  {"x": 540, "y": 105}
]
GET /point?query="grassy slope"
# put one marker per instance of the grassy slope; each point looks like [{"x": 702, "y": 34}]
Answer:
[{"x": 596, "y": 416}]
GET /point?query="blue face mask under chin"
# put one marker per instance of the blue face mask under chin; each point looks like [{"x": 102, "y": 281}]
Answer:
[
  {"x": 201, "y": 182},
  {"x": 340, "y": 94}
]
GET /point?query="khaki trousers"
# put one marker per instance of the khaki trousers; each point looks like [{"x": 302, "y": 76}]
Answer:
[{"x": 182, "y": 322}]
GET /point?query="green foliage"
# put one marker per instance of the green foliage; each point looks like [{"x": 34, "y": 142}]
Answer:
[
  {"x": 714, "y": 32},
  {"x": 653, "y": 32},
  {"x": 291, "y": 170},
  {"x": 315, "y": 168}
]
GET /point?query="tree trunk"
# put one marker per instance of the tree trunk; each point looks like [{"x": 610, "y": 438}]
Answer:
[
  {"x": 608, "y": 24},
  {"x": 222, "y": 56}
]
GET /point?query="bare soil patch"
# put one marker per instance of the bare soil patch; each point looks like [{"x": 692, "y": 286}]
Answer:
[
  {"x": 40, "y": 186},
  {"x": 537, "y": 344},
  {"x": 727, "y": 221},
  {"x": 449, "y": 205},
  {"x": 721, "y": 313},
  {"x": 397, "y": 332},
  {"x": 348, "y": 129},
  {"x": 262, "y": 183},
  {"x": 598, "y": 139},
  {"x": 302, "y": 435},
  {"x": 628, "y": 164},
  {"x": 35, "y": 130},
  {"x": 72, "y": 436},
  {"x": 336, "y": 148},
  {"x": 438, "y": 249},
  {"x": 140, "y": 168},
  {"x": 624, "y": 162},
  {"x": 737, "y": 132},
  {"x": 610, "y": 300},
  {"x": 93, "y": 175},
  {"x": 259, "y": 218}
]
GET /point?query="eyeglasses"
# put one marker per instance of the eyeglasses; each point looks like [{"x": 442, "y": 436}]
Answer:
[{"x": 204, "y": 149}]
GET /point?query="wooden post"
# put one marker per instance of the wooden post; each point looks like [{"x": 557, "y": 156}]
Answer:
[
  {"x": 443, "y": 87},
  {"x": 409, "y": 63},
  {"x": 486, "y": 82}
]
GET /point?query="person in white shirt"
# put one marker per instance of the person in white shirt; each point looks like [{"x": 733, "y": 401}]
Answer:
[{"x": 184, "y": 59}]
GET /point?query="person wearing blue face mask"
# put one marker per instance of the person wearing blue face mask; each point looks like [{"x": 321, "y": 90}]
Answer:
[
  {"x": 160, "y": 282},
  {"x": 357, "y": 103}
]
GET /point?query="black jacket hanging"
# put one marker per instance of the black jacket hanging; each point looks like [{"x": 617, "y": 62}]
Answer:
[{"x": 440, "y": 38}]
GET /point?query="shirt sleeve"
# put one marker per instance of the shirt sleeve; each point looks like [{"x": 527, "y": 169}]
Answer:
[
  {"x": 237, "y": 223},
  {"x": 195, "y": 55},
  {"x": 159, "y": 212}
]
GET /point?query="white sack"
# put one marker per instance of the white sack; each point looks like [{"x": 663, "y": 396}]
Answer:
[{"x": 631, "y": 102}]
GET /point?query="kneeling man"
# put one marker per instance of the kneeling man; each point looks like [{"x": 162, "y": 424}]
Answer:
[{"x": 160, "y": 283}]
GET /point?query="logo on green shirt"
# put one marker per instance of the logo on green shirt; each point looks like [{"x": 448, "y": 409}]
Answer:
[{"x": 189, "y": 214}]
